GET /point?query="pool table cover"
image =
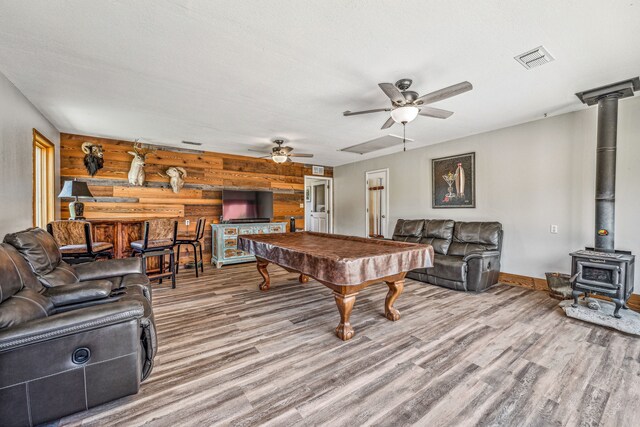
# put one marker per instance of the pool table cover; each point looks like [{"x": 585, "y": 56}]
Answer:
[{"x": 338, "y": 259}]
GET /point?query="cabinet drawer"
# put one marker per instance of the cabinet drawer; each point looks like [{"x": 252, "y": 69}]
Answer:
[
  {"x": 231, "y": 231},
  {"x": 230, "y": 243},
  {"x": 247, "y": 230},
  {"x": 233, "y": 253},
  {"x": 276, "y": 229}
]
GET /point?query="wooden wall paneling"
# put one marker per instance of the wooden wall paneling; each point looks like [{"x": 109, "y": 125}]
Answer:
[
  {"x": 112, "y": 210},
  {"x": 160, "y": 193}
]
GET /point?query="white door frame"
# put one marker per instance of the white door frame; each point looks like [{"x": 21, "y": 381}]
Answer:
[
  {"x": 366, "y": 196},
  {"x": 329, "y": 210}
]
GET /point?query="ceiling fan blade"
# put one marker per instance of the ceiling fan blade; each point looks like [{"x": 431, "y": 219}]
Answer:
[
  {"x": 300, "y": 155},
  {"x": 286, "y": 149},
  {"x": 259, "y": 151},
  {"x": 390, "y": 122},
  {"x": 288, "y": 160},
  {"x": 393, "y": 93},
  {"x": 435, "y": 112},
  {"x": 355, "y": 113},
  {"x": 445, "y": 93}
]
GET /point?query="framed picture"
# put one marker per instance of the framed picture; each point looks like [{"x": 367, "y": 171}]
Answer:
[
  {"x": 454, "y": 181},
  {"x": 307, "y": 194}
]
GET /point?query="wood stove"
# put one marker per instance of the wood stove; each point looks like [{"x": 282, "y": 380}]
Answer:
[
  {"x": 603, "y": 270},
  {"x": 603, "y": 273}
]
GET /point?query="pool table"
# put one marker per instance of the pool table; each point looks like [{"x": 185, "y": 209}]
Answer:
[{"x": 344, "y": 264}]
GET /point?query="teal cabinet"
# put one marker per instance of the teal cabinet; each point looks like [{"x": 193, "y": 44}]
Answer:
[{"x": 225, "y": 240}]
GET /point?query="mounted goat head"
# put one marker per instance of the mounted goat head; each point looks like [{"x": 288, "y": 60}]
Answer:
[
  {"x": 93, "y": 160},
  {"x": 139, "y": 153},
  {"x": 177, "y": 175}
]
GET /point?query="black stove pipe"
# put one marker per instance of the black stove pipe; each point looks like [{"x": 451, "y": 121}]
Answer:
[{"x": 606, "y": 172}]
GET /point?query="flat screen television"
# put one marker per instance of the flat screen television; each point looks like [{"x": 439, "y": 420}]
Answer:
[{"x": 247, "y": 206}]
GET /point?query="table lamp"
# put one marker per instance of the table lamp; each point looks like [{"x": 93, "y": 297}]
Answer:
[{"x": 75, "y": 189}]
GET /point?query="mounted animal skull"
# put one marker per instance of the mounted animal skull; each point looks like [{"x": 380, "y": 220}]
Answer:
[
  {"x": 177, "y": 175},
  {"x": 93, "y": 159},
  {"x": 139, "y": 153}
]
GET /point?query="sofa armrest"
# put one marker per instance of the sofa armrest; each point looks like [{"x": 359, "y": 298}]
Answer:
[
  {"x": 483, "y": 269},
  {"x": 480, "y": 254},
  {"x": 69, "y": 323},
  {"x": 109, "y": 268},
  {"x": 74, "y": 293}
]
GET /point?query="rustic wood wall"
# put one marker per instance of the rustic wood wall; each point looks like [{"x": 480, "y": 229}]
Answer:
[{"x": 208, "y": 173}]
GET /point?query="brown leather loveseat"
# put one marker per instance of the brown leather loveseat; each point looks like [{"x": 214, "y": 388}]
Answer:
[
  {"x": 71, "y": 337},
  {"x": 467, "y": 254}
]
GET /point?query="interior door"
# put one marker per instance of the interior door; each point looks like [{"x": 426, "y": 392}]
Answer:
[
  {"x": 319, "y": 207},
  {"x": 377, "y": 206}
]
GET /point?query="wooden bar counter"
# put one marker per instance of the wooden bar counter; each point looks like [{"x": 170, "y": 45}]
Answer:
[{"x": 119, "y": 232}]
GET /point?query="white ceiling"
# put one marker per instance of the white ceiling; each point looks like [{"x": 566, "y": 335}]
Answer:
[{"x": 233, "y": 74}]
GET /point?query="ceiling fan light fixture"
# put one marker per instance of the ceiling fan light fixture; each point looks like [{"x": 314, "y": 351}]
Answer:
[
  {"x": 279, "y": 158},
  {"x": 404, "y": 114}
]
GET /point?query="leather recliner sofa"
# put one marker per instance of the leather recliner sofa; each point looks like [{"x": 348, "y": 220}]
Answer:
[
  {"x": 466, "y": 254},
  {"x": 71, "y": 337}
]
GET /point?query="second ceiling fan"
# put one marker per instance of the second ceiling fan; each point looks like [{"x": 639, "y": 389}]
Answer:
[
  {"x": 280, "y": 154},
  {"x": 406, "y": 104}
]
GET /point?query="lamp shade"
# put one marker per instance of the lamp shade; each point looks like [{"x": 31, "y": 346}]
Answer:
[
  {"x": 75, "y": 189},
  {"x": 404, "y": 114},
  {"x": 279, "y": 158}
]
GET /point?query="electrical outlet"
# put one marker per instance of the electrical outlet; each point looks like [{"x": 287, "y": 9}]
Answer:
[
  {"x": 301, "y": 205},
  {"x": 187, "y": 222},
  {"x": 553, "y": 229}
]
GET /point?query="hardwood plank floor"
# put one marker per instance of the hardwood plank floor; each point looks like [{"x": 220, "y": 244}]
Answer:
[{"x": 230, "y": 354}]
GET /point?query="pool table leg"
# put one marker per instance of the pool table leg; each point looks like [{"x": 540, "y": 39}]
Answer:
[
  {"x": 395, "y": 289},
  {"x": 262, "y": 264},
  {"x": 345, "y": 303}
]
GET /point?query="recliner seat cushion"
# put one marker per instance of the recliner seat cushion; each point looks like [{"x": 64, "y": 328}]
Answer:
[
  {"x": 475, "y": 236},
  {"x": 408, "y": 230},
  {"x": 437, "y": 233},
  {"x": 24, "y": 306},
  {"x": 446, "y": 267}
]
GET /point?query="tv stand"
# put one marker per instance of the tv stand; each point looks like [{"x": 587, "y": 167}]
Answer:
[{"x": 225, "y": 240}]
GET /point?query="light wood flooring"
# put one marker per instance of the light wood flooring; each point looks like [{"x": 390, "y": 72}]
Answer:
[{"x": 230, "y": 354}]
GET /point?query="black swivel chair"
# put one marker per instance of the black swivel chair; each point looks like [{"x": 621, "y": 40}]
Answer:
[{"x": 195, "y": 242}]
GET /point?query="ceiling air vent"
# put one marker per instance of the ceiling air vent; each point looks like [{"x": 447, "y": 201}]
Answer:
[
  {"x": 375, "y": 144},
  {"x": 534, "y": 58},
  {"x": 192, "y": 143}
]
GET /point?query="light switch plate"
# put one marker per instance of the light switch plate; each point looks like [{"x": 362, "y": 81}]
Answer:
[
  {"x": 301, "y": 205},
  {"x": 187, "y": 222},
  {"x": 553, "y": 229}
]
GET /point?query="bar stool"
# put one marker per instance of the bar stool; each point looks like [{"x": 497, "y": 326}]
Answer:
[
  {"x": 159, "y": 239},
  {"x": 195, "y": 242},
  {"x": 75, "y": 241}
]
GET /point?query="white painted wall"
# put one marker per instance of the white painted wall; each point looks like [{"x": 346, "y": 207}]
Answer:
[
  {"x": 527, "y": 177},
  {"x": 18, "y": 117}
]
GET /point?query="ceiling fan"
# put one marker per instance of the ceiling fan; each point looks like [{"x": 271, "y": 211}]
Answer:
[
  {"x": 406, "y": 104},
  {"x": 280, "y": 154}
]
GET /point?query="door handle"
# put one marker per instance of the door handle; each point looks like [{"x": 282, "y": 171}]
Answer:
[{"x": 383, "y": 216}]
